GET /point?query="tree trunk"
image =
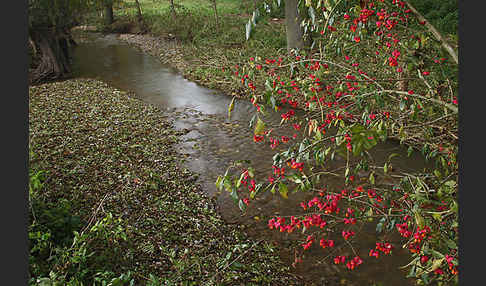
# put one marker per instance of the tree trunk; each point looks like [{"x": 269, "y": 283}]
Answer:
[
  {"x": 53, "y": 48},
  {"x": 292, "y": 24},
  {"x": 172, "y": 10},
  {"x": 215, "y": 12},
  {"x": 108, "y": 15},
  {"x": 139, "y": 11}
]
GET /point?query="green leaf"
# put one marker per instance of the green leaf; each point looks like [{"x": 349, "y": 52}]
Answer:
[
  {"x": 227, "y": 184},
  {"x": 425, "y": 278},
  {"x": 251, "y": 172},
  {"x": 379, "y": 225},
  {"x": 234, "y": 195},
  {"x": 312, "y": 15},
  {"x": 260, "y": 127},
  {"x": 219, "y": 181},
  {"x": 450, "y": 184},
  {"x": 238, "y": 183},
  {"x": 327, "y": 151},
  {"x": 409, "y": 151},
  {"x": 248, "y": 29},
  {"x": 295, "y": 178},
  {"x": 451, "y": 244},
  {"x": 236, "y": 265},
  {"x": 282, "y": 188},
  {"x": 419, "y": 220},
  {"x": 273, "y": 103},
  {"x": 437, "y": 216},
  {"x": 273, "y": 189},
  {"x": 392, "y": 155},
  {"x": 437, "y": 173},
  {"x": 412, "y": 271},
  {"x": 268, "y": 86},
  {"x": 372, "y": 178},
  {"x": 436, "y": 264},
  {"x": 242, "y": 205},
  {"x": 252, "y": 121},
  {"x": 402, "y": 105},
  {"x": 253, "y": 194},
  {"x": 231, "y": 107}
]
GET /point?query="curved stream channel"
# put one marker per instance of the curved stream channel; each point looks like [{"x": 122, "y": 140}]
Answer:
[{"x": 213, "y": 141}]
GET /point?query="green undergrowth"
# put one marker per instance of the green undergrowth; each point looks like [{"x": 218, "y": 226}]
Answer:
[{"x": 110, "y": 204}]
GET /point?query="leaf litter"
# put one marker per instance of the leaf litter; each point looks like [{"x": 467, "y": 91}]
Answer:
[{"x": 98, "y": 143}]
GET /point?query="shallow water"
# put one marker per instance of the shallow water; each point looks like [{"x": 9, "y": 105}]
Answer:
[{"x": 213, "y": 141}]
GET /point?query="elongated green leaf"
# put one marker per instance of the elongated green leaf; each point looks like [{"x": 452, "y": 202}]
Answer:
[
  {"x": 282, "y": 188},
  {"x": 248, "y": 29},
  {"x": 372, "y": 178},
  {"x": 402, "y": 105},
  {"x": 273, "y": 189},
  {"x": 251, "y": 172},
  {"x": 234, "y": 195},
  {"x": 260, "y": 127},
  {"x": 242, "y": 205},
  {"x": 219, "y": 181},
  {"x": 419, "y": 220},
  {"x": 231, "y": 107},
  {"x": 268, "y": 86},
  {"x": 312, "y": 15},
  {"x": 409, "y": 151},
  {"x": 436, "y": 264},
  {"x": 252, "y": 121}
]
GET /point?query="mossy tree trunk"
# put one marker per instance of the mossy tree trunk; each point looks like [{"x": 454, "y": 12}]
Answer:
[
  {"x": 53, "y": 48},
  {"x": 172, "y": 10},
  {"x": 139, "y": 12},
  {"x": 108, "y": 15},
  {"x": 292, "y": 25},
  {"x": 215, "y": 12}
]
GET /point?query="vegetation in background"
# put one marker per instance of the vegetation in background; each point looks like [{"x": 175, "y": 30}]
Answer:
[{"x": 442, "y": 14}]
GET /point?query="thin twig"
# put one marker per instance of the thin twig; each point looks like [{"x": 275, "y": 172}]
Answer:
[
  {"x": 93, "y": 216},
  {"x": 239, "y": 256}
]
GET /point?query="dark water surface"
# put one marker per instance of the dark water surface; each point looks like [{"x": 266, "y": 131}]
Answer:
[{"x": 213, "y": 141}]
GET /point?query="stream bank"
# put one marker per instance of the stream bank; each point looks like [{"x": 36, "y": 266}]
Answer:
[{"x": 101, "y": 147}]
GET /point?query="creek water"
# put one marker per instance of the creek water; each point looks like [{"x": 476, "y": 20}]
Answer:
[{"x": 213, "y": 141}]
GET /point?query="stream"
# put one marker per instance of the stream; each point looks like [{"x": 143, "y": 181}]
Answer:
[{"x": 213, "y": 141}]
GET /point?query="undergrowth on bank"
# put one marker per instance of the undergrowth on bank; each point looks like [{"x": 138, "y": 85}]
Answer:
[{"x": 109, "y": 203}]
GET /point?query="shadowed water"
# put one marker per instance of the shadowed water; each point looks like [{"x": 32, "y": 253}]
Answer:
[{"x": 213, "y": 141}]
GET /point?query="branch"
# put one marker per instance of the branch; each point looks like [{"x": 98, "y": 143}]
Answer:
[
  {"x": 448, "y": 105},
  {"x": 434, "y": 31}
]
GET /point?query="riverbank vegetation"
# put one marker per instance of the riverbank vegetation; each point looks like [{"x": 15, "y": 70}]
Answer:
[{"x": 369, "y": 71}]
